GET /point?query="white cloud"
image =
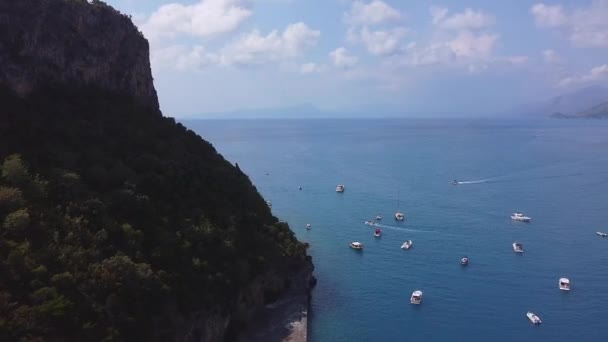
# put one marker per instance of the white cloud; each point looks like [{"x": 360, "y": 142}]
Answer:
[
  {"x": 205, "y": 18},
  {"x": 381, "y": 42},
  {"x": 584, "y": 27},
  {"x": 599, "y": 73},
  {"x": 467, "y": 20},
  {"x": 467, "y": 49},
  {"x": 431, "y": 54},
  {"x": 309, "y": 68},
  {"x": 551, "y": 56},
  {"x": 341, "y": 58},
  {"x": 438, "y": 13},
  {"x": 513, "y": 60},
  {"x": 549, "y": 16},
  {"x": 469, "y": 45},
  {"x": 182, "y": 58},
  {"x": 255, "y": 48},
  {"x": 375, "y": 12}
]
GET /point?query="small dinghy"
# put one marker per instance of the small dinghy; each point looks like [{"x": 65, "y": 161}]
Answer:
[
  {"x": 464, "y": 261},
  {"x": 533, "y": 318},
  {"x": 407, "y": 244},
  {"x": 340, "y": 188},
  {"x": 378, "y": 232},
  {"x": 378, "y": 217},
  {"x": 356, "y": 245},
  {"x": 308, "y": 226}
]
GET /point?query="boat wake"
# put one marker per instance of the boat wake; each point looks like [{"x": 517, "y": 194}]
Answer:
[
  {"x": 475, "y": 181},
  {"x": 380, "y": 225},
  {"x": 510, "y": 179}
]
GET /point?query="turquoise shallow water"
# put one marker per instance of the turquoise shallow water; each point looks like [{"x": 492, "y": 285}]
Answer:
[{"x": 554, "y": 171}]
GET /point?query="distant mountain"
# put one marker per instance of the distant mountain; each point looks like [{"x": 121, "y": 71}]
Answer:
[
  {"x": 599, "y": 111},
  {"x": 568, "y": 104}
]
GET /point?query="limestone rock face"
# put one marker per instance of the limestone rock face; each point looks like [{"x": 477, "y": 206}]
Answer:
[{"x": 43, "y": 42}]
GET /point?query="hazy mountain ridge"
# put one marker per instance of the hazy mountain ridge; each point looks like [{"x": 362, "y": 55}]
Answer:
[
  {"x": 568, "y": 104},
  {"x": 599, "y": 111}
]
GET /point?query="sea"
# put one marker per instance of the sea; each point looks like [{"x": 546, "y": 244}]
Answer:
[{"x": 555, "y": 171}]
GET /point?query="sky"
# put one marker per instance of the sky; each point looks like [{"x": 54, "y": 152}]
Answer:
[{"x": 408, "y": 58}]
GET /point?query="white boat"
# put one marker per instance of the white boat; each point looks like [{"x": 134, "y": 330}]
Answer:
[
  {"x": 564, "y": 284},
  {"x": 370, "y": 223},
  {"x": 356, "y": 245},
  {"x": 378, "y": 232},
  {"x": 378, "y": 217},
  {"x": 269, "y": 204},
  {"x": 308, "y": 226},
  {"x": 454, "y": 182},
  {"x": 602, "y": 234},
  {"x": 520, "y": 217},
  {"x": 407, "y": 244},
  {"x": 416, "y": 297},
  {"x": 340, "y": 188},
  {"x": 533, "y": 318},
  {"x": 518, "y": 247},
  {"x": 399, "y": 215},
  {"x": 464, "y": 261}
]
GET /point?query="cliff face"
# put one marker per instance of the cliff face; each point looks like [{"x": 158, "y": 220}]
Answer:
[
  {"x": 119, "y": 224},
  {"x": 72, "y": 41}
]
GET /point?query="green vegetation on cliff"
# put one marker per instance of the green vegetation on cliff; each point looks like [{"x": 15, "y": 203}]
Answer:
[{"x": 118, "y": 224}]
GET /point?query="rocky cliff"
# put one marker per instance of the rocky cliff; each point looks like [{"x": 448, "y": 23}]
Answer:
[
  {"x": 48, "y": 41},
  {"x": 117, "y": 223}
]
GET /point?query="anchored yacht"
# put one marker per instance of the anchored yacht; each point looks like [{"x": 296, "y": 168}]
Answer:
[
  {"x": 407, "y": 244},
  {"x": 533, "y": 318},
  {"x": 564, "y": 284},
  {"x": 518, "y": 247},
  {"x": 416, "y": 297},
  {"x": 356, "y": 245}
]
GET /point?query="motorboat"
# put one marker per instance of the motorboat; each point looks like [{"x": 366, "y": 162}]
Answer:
[
  {"x": 378, "y": 217},
  {"x": 356, "y": 245},
  {"x": 308, "y": 226},
  {"x": 520, "y": 217},
  {"x": 564, "y": 284},
  {"x": 533, "y": 318},
  {"x": 464, "y": 261},
  {"x": 399, "y": 216},
  {"x": 370, "y": 223},
  {"x": 454, "y": 182},
  {"x": 518, "y": 247},
  {"x": 416, "y": 297},
  {"x": 340, "y": 188},
  {"x": 378, "y": 232},
  {"x": 407, "y": 244},
  {"x": 602, "y": 234}
]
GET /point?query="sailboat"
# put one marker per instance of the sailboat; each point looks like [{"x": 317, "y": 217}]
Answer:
[{"x": 399, "y": 215}]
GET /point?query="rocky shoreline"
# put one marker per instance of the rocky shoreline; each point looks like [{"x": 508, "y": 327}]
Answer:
[{"x": 285, "y": 319}]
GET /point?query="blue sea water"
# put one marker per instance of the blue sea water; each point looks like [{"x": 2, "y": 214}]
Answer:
[{"x": 556, "y": 171}]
